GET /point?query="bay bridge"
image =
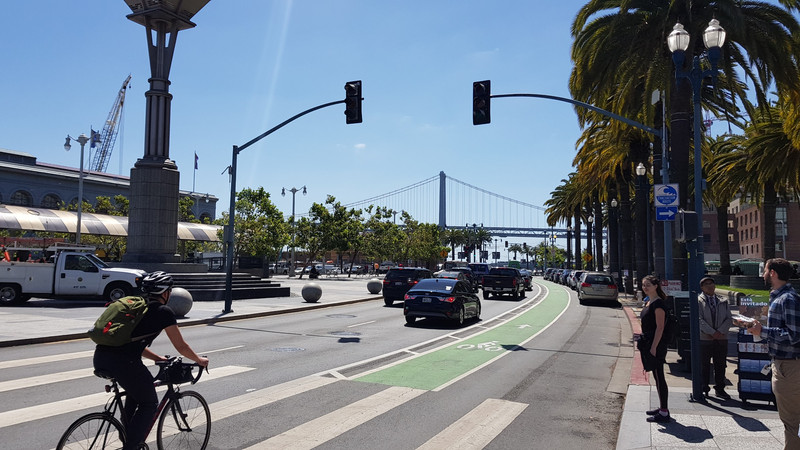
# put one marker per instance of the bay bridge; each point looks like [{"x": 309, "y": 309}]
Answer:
[{"x": 455, "y": 204}]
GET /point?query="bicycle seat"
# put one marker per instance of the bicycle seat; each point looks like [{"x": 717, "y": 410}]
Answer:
[{"x": 103, "y": 374}]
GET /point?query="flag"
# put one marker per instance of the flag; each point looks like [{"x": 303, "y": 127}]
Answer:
[
  {"x": 95, "y": 138},
  {"x": 195, "y": 160}
]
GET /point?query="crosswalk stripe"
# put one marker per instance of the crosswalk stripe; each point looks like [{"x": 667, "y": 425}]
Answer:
[
  {"x": 478, "y": 427},
  {"x": 44, "y": 359},
  {"x": 46, "y": 410},
  {"x": 262, "y": 397},
  {"x": 331, "y": 425},
  {"x": 51, "y": 378}
]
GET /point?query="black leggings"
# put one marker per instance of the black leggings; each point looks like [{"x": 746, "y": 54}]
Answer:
[
  {"x": 661, "y": 384},
  {"x": 141, "y": 400}
]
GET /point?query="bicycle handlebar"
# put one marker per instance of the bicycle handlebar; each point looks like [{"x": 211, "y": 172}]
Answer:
[{"x": 163, "y": 365}]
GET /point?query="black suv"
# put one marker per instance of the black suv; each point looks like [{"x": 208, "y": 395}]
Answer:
[{"x": 399, "y": 280}]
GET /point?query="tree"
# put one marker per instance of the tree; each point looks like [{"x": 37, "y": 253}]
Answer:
[{"x": 259, "y": 226}]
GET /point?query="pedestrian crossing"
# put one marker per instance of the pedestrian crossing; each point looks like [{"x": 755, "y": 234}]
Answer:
[{"x": 48, "y": 401}]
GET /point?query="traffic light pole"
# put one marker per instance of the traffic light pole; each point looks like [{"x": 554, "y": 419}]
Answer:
[{"x": 229, "y": 234}]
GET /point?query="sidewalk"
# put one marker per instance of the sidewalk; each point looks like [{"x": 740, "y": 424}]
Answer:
[
  {"x": 41, "y": 320},
  {"x": 716, "y": 423}
]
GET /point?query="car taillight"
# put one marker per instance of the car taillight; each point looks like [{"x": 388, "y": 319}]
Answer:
[
  {"x": 482, "y": 280},
  {"x": 409, "y": 297},
  {"x": 584, "y": 284},
  {"x": 514, "y": 282},
  {"x": 412, "y": 281},
  {"x": 385, "y": 281},
  {"x": 449, "y": 299},
  {"x": 612, "y": 286}
]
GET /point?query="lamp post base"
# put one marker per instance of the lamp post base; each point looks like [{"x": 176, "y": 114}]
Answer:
[{"x": 153, "y": 214}]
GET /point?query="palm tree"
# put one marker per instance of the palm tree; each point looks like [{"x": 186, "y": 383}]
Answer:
[
  {"x": 761, "y": 165},
  {"x": 620, "y": 58},
  {"x": 454, "y": 238}
]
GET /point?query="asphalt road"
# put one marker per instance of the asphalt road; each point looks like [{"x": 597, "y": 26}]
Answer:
[{"x": 537, "y": 373}]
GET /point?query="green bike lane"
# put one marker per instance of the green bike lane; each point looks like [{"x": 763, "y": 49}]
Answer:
[{"x": 441, "y": 367}]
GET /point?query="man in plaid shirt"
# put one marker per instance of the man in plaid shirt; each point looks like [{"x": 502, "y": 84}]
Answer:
[{"x": 782, "y": 333}]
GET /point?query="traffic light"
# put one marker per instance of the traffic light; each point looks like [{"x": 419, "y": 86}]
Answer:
[
  {"x": 352, "y": 101},
  {"x": 525, "y": 245},
  {"x": 687, "y": 226},
  {"x": 506, "y": 244},
  {"x": 481, "y": 94},
  {"x": 95, "y": 139}
]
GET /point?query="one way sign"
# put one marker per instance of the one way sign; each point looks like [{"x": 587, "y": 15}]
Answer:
[{"x": 665, "y": 213}]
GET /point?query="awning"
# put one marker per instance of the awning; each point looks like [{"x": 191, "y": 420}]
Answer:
[{"x": 50, "y": 220}]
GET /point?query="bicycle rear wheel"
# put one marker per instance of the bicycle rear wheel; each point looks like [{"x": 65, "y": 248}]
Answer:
[
  {"x": 185, "y": 423},
  {"x": 93, "y": 431}
]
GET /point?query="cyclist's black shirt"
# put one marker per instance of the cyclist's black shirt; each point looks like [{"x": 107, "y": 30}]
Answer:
[{"x": 156, "y": 318}]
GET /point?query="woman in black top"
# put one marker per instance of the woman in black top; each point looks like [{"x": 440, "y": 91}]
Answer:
[
  {"x": 125, "y": 364},
  {"x": 654, "y": 315}
]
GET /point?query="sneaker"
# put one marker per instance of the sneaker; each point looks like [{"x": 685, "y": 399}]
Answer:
[
  {"x": 652, "y": 412},
  {"x": 659, "y": 418},
  {"x": 722, "y": 394}
]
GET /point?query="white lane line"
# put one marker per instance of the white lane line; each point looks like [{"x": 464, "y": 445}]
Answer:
[
  {"x": 44, "y": 359},
  {"x": 478, "y": 427},
  {"x": 51, "y": 378},
  {"x": 362, "y": 323},
  {"x": 69, "y": 405},
  {"x": 74, "y": 355},
  {"x": 322, "y": 429}
]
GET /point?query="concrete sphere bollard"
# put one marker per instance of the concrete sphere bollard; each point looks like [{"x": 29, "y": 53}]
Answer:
[
  {"x": 374, "y": 286},
  {"x": 180, "y": 301},
  {"x": 312, "y": 292}
]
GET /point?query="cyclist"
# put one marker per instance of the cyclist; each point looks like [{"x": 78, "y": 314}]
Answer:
[{"x": 125, "y": 364}]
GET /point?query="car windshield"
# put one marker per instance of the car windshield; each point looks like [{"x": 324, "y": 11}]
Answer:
[
  {"x": 503, "y": 272},
  {"x": 399, "y": 274},
  {"x": 442, "y": 285},
  {"x": 599, "y": 279},
  {"x": 449, "y": 274}
]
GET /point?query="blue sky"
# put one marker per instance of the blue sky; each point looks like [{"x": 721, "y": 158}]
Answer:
[{"x": 249, "y": 65}]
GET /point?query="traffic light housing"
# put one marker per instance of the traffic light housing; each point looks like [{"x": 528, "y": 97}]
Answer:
[
  {"x": 687, "y": 226},
  {"x": 352, "y": 101},
  {"x": 481, "y": 96},
  {"x": 506, "y": 244}
]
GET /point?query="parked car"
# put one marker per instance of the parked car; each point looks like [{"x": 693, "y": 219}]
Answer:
[
  {"x": 548, "y": 273},
  {"x": 385, "y": 266},
  {"x": 441, "y": 298},
  {"x": 527, "y": 278},
  {"x": 574, "y": 279},
  {"x": 597, "y": 286},
  {"x": 399, "y": 280}
]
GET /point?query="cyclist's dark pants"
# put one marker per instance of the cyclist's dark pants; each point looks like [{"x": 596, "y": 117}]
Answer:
[{"x": 141, "y": 400}]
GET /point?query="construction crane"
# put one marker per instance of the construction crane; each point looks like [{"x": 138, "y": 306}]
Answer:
[{"x": 109, "y": 134}]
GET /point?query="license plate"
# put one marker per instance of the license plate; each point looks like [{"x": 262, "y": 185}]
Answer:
[
  {"x": 398, "y": 283},
  {"x": 426, "y": 299}
]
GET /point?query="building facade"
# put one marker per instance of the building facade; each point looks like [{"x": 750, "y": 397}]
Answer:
[{"x": 26, "y": 182}]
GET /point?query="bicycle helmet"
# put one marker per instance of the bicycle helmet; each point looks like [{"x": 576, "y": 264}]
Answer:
[{"x": 156, "y": 283}]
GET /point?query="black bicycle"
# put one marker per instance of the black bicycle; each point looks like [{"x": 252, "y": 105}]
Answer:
[{"x": 184, "y": 420}]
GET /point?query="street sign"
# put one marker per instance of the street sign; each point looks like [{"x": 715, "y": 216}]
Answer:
[
  {"x": 666, "y": 213},
  {"x": 666, "y": 194}
]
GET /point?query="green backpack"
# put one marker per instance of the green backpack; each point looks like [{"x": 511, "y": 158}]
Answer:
[{"x": 115, "y": 325}]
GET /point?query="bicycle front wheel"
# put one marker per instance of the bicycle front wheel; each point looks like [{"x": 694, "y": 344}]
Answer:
[
  {"x": 93, "y": 431},
  {"x": 185, "y": 423}
]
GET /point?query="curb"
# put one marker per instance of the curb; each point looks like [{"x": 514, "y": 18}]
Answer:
[
  {"x": 191, "y": 322},
  {"x": 638, "y": 375}
]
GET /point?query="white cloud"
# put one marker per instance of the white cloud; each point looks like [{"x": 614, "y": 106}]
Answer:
[{"x": 360, "y": 146}]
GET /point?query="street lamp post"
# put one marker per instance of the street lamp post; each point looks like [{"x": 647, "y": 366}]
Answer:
[
  {"x": 294, "y": 226},
  {"x": 82, "y": 139},
  {"x": 614, "y": 243},
  {"x": 642, "y": 248},
  {"x": 678, "y": 43},
  {"x": 155, "y": 180},
  {"x": 553, "y": 248}
]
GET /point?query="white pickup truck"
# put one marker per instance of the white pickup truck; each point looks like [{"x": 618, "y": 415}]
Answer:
[{"x": 73, "y": 274}]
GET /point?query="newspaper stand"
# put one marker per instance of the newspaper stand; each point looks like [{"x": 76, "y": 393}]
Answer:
[{"x": 755, "y": 374}]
